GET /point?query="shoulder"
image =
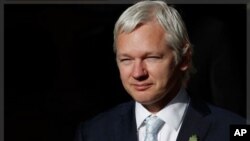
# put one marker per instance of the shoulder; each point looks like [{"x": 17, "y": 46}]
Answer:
[
  {"x": 210, "y": 122},
  {"x": 219, "y": 118},
  {"x": 113, "y": 113},
  {"x": 103, "y": 126},
  {"x": 215, "y": 113},
  {"x": 221, "y": 115},
  {"x": 108, "y": 118}
]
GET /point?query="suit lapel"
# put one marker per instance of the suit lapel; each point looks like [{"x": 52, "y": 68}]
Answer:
[
  {"x": 126, "y": 128},
  {"x": 196, "y": 121}
]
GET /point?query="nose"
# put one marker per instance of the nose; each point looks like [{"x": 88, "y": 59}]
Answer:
[{"x": 139, "y": 71}]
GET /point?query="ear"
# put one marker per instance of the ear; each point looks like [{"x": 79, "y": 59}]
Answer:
[{"x": 186, "y": 59}]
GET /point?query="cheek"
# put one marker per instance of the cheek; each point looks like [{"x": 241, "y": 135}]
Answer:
[
  {"x": 162, "y": 72},
  {"x": 124, "y": 73}
]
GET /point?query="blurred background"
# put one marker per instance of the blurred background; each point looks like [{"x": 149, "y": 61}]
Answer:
[{"x": 60, "y": 68}]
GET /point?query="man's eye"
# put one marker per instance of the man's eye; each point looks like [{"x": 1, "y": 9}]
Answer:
[
  {"x": 153, "y": 58},
  {"x": 126, "y": 61}
]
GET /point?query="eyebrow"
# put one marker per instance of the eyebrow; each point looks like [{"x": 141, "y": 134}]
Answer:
[{"x": 123, "y": 55}]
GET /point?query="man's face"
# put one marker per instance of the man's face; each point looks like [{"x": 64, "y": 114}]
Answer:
[{"x": 146, "y": 64}]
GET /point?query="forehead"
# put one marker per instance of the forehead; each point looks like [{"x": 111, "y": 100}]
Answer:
[
  {"x": 146, "y": 36},
  {"x": 147, "y": 28}
]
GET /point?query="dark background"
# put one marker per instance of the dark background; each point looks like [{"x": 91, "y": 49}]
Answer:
[{"x": 60, "y": 68}]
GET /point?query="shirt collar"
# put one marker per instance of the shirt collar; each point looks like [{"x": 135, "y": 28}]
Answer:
[
  {"x": 172, "y": 113},
  {"x": 141, "y": 114}
]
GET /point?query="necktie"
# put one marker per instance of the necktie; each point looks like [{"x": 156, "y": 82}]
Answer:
[{"x": 153, "y": 125}]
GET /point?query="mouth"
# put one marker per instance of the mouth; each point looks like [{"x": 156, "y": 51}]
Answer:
[{"x": 142, "y": 87}]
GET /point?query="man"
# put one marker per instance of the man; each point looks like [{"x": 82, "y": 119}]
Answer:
[{"x": 153, "y": 54}]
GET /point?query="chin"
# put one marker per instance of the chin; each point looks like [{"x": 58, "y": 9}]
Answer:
[
  {"x": 144, "y": 101},
  {"x": 144, "y": 97}
]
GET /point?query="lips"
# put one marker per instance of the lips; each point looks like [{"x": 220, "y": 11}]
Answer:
[{"x": 142, "y": 87}]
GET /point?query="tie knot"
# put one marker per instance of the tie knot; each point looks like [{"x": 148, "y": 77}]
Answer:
[{"x": 153, "y": 124}]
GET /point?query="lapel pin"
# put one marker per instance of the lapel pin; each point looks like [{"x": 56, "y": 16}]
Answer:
[{"x": 194, "y": 137}]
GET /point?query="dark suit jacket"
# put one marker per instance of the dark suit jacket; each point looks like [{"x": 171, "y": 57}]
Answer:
[{"x": 208, "y": 122}]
